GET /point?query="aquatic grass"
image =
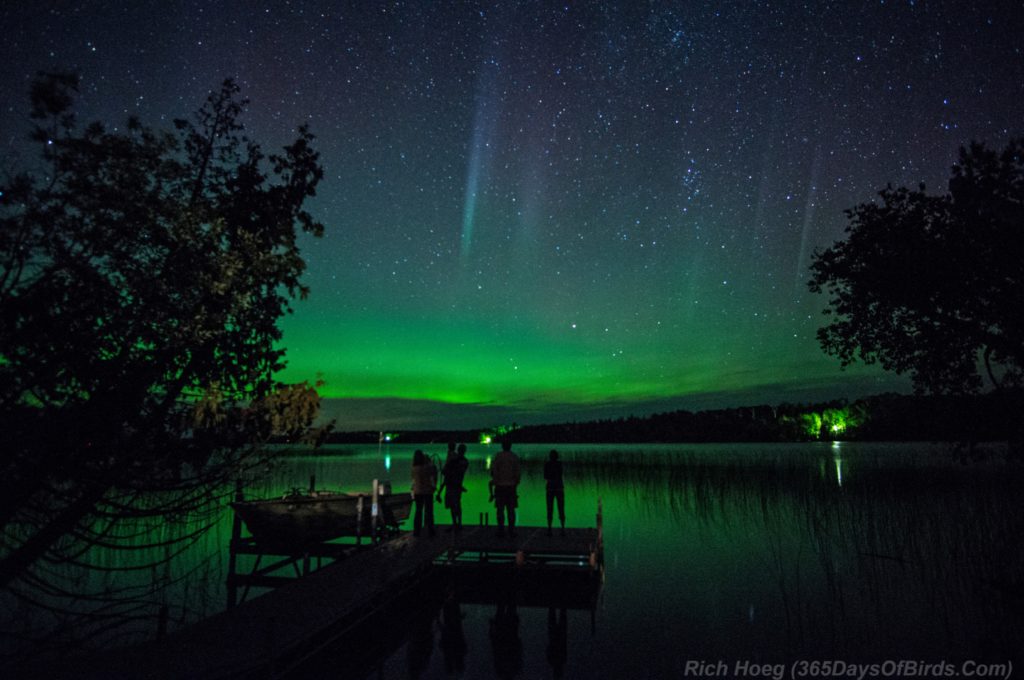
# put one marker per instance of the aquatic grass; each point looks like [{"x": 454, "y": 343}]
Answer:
[
  {"x": 913, "y": 529},
  {"x": 842, "y": 536}
]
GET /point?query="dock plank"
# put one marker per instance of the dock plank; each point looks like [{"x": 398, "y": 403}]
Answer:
[{"x": 530, "y": 540}]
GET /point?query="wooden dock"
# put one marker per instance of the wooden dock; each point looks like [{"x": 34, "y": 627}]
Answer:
[
  {"x": 266, "y": 636},
  {"x": 530, "y": 546}
]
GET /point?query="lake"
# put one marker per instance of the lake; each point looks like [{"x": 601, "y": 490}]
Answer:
[
  {"x": 721, "y": 557},
  {"x": 861, "y": 553}
]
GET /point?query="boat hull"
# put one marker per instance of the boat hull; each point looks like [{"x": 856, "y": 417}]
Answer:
[{"x": 297, "y": 521}]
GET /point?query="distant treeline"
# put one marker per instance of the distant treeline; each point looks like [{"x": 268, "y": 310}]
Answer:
[{"x": 886, "y": 417}]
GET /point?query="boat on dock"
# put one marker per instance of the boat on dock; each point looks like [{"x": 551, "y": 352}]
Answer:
[{"x": 297, "y": 520}]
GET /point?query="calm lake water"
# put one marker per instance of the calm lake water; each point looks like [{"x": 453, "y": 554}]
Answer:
[
  {"x": 766, "y": 554},
  {"x": 861, "y": 553}
]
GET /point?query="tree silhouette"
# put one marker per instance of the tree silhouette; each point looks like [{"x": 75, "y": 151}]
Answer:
[
  {"x": 142, "y": 276},
  {"x": 933, "y": 286}
]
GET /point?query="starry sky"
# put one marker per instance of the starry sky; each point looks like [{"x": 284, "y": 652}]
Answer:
[{"x": 539, "y": 212}]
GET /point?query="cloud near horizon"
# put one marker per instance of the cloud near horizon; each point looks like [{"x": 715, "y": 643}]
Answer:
[{"x": 392, "y": 414}]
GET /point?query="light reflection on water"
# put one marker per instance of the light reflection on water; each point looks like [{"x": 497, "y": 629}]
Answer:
[
  {"x": 861, "y": 552},
  {"x": 858, "y": 552}
]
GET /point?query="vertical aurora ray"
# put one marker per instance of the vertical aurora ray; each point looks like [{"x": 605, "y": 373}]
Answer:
[
  {"x": 472, "y": 186},
  {"x": 801, "y": 275},
  {"x": 479, "y": 153}
]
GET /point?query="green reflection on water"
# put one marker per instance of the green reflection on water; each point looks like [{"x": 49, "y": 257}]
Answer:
[
  {"x": 771, "y": 551},
  {"x": 733, "y": 551}
]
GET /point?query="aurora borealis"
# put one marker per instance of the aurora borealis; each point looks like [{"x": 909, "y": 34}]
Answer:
[{"x": 546, "y": 211}]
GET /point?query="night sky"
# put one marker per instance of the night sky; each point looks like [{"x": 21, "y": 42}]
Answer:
[{"x": 547, "y": 211}]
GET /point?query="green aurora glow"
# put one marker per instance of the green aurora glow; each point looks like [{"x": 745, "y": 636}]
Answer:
[
  {"x": 546, "y": 211},
  {"x": 494, "y": 361}
]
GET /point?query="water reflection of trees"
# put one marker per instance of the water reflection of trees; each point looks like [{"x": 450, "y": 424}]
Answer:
[
  {"x": 122, "y": 578},
  {"x": 843, "y": 552},
  {"x": 146, "y": 563}
]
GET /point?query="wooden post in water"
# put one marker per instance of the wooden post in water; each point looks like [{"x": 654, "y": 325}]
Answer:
[
  {"x": 375, "y": 512},
  {"x": 236, "y": 537},
  {"x": 360, "y": 514},
  {"x": 597, "y": 554}
]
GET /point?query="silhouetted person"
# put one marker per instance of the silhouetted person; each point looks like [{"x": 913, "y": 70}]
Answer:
[
  {"x": 447, "y": 458},
  {"x": 558, "y": 640},
  {"x": 424, "y": 479},
  {"x": 453, "y": 640},
  {"x": 505, "y": 643},
  {"x": 505, "y": 475},
  {"x": 555, "y": 488},
  {"x": 388, "y": 521},
  {"x": 452, "y": 475}
]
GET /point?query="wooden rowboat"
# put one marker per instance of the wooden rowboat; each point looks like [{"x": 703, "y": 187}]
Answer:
[{"x": 298, "y": 520}]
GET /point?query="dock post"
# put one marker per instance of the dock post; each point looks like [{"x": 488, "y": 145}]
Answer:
[
  {"x": 236, "y": 537},
  {"x": 375, "y": 511},
  {"x": 360, "y": 515}
]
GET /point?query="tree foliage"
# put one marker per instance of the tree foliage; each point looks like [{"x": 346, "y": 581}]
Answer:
[
  {"x": 933, "y": 286},
  {"x": 142, "y": 276}
]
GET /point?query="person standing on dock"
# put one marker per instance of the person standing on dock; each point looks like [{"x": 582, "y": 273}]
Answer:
[
  {"x": 424, "y": 479},
  {"x": 452, "y": 475},
  {"x": 555, "y": 488},
  {"x": 505, "y": 476}
]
